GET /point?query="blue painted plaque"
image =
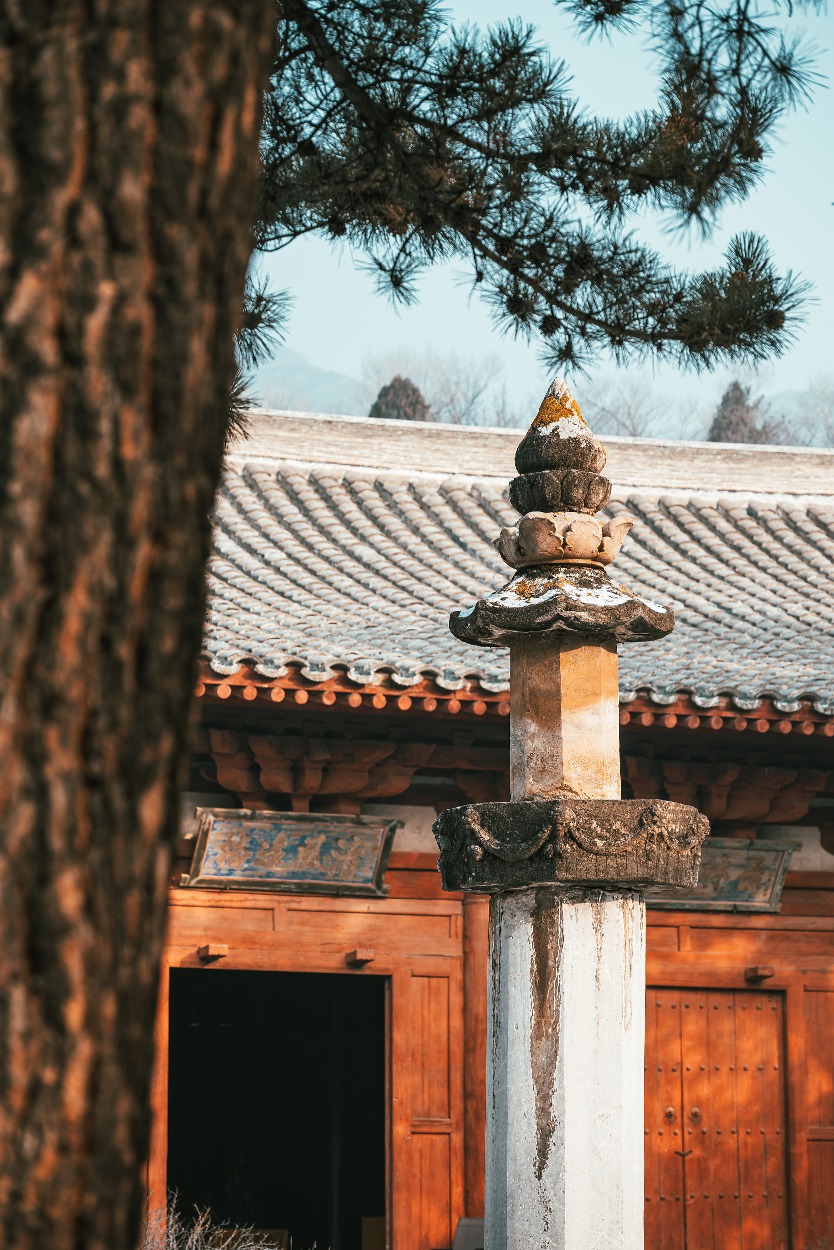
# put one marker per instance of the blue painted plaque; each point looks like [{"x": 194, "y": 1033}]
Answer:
[
  {"x": 291, "y": 852},
  {"x": 737, "y": 874}
]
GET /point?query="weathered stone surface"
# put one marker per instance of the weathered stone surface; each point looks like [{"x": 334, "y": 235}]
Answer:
[
  {"x": 578, "y": 599},
  {"x": 562, "y": 538},
  {"x": 488, "y": 848},
  {"x": 562, "y": 587},
  {"x": 564, "y": 718},
  {"x": 551, "y": 490},
  {"x": 565, "y": 1054},
  {"x": 559, "y": 438}
]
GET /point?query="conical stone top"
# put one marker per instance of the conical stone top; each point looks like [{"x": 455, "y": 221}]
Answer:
[
  {"x": 559, "y": 459},
  {"x": 559, "y": 546},
  {"x": 559, "y": 437}
]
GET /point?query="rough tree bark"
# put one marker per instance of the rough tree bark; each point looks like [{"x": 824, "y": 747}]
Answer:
[{"x": 128, "y": 157}]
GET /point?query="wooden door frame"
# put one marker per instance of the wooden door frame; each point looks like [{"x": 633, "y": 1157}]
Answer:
[
  {"x": 158, "y": 1153},
  {"x": 276, "y": 953}
]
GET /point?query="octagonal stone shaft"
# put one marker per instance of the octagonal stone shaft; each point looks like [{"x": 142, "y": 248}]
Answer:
[{"x": 564, "y": 718}]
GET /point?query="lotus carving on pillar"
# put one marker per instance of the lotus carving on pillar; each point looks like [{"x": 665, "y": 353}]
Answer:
[{"x": 562, "y": 537}]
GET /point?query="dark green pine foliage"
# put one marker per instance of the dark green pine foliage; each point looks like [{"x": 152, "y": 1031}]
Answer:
[
  {"x": 740, "y": 419},
  {"x": 416, "y": 142},
  {"x": 262, "y": 326},
  {"x": 400, "y": 400}
]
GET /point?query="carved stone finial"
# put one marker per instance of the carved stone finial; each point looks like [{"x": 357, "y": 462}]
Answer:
[
  {"x": 561, "y": 586},
  {"x": 559, "y": 459}
]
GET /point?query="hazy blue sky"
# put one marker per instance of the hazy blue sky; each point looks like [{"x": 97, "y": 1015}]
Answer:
[{"x": 338, "y": 320}]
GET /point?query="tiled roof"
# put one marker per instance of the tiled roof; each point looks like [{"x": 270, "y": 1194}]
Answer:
[{"x": 321, "y": 565}]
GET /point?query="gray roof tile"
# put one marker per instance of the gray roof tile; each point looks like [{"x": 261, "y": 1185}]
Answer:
[{"x": 322, "y": 565}]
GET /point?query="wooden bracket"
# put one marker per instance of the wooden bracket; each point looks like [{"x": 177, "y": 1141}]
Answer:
[
  {"x": 360, "y": 957},
  {"x": 212, "y": 951},
  {"x": 759, "y": 972}
]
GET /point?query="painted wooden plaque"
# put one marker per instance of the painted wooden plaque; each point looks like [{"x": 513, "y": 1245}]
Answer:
[
  {"x": 291, "y": 852},
  {"x": 737, "y": 874}
]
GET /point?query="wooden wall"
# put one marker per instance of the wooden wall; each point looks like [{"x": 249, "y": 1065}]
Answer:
[{"x": 432, "y": 947}]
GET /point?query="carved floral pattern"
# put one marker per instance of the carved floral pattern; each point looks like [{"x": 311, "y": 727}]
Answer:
[{"x": 490, "y": 847}]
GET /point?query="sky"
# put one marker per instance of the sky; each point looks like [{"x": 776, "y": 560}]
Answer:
[{"x": 339, "y": 321}]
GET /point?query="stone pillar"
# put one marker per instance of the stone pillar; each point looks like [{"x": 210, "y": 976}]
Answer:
[
  {"x": 564, "y": 718},
  {"x": 565, "y": 862},
  {"x": 565, "y": 1070}
]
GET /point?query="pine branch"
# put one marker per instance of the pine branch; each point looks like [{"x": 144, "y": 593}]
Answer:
[{"x": 417, "y": 143}]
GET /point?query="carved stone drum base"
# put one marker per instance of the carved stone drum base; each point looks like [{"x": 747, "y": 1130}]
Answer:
[{"x": 627, "y": 843}]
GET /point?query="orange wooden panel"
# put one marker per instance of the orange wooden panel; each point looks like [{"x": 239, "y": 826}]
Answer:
[
  {"x": 475, "y": 973},
  {"x": 754, "y": 944},
  {"x": 807, "y": 903},
  {"x": 420, "y": 861},
  {"x": 819, "y": 1058},
  {"x": 758, "y": 1019},
  {"x": 186, "y": 921},
  {"x": 338, "y": 904},
  {"x": 432, "y": 1226},
  {"x": 428, "y": 1174},
  {"x": 664, "y": 1163},
  {"x": 658, "y": 939},
  {"x": 330, "y": 926},
  {"x": 810, "y": 880},
  {"x": 702, "y": 1185},
  {"x": 416, "y": 884},
  {"x": 820, "y": 1222},
  {"x": 718, "y": 1165},
  {"x": 773, "y": 1111},
  {"x": 651, "y": 1180},
  {"x": 430, "y": 1022},
  {"x": 723, "y": 1138},
  {"x": 403, "y": 1053},
  {"x": 733, "y": 922},
  {"x": 749, "y": 1083}
]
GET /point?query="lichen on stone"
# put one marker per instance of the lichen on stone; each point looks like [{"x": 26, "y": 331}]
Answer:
[{"x": 558, "y": 404}]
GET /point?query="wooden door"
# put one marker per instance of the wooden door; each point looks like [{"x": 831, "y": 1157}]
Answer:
[
  {"x": 716, "y": 1176},
  {"x": 427, "y": 1069}
]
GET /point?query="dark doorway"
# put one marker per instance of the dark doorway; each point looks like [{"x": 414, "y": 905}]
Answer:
[{"x": 276, "y": 1106}]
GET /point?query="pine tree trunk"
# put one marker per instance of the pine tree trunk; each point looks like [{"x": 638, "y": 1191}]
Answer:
[{"x": 128, "y": 166}]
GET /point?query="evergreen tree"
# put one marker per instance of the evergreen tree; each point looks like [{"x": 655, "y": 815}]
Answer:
[
  {"x": 416, "y": 142},
  {"x": 129, "y": 135},
  {"x": 400, "y": 400},
  {"x": 740, "y": 419}
]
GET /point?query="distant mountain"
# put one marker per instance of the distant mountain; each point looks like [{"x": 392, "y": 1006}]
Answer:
[{"x": 290, "y": 380}]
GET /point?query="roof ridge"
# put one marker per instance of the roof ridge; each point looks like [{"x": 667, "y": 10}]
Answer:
[{"x": 410, "y": 447}]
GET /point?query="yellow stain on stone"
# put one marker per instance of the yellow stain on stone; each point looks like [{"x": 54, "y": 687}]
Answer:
[{"x": 558, "y": 408}]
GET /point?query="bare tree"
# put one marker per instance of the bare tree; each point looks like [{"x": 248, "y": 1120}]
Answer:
[
  {"x": 635, "y": 406},
  {"x": 814, "y": 421},
  {"x": 460, "y": 389}
]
